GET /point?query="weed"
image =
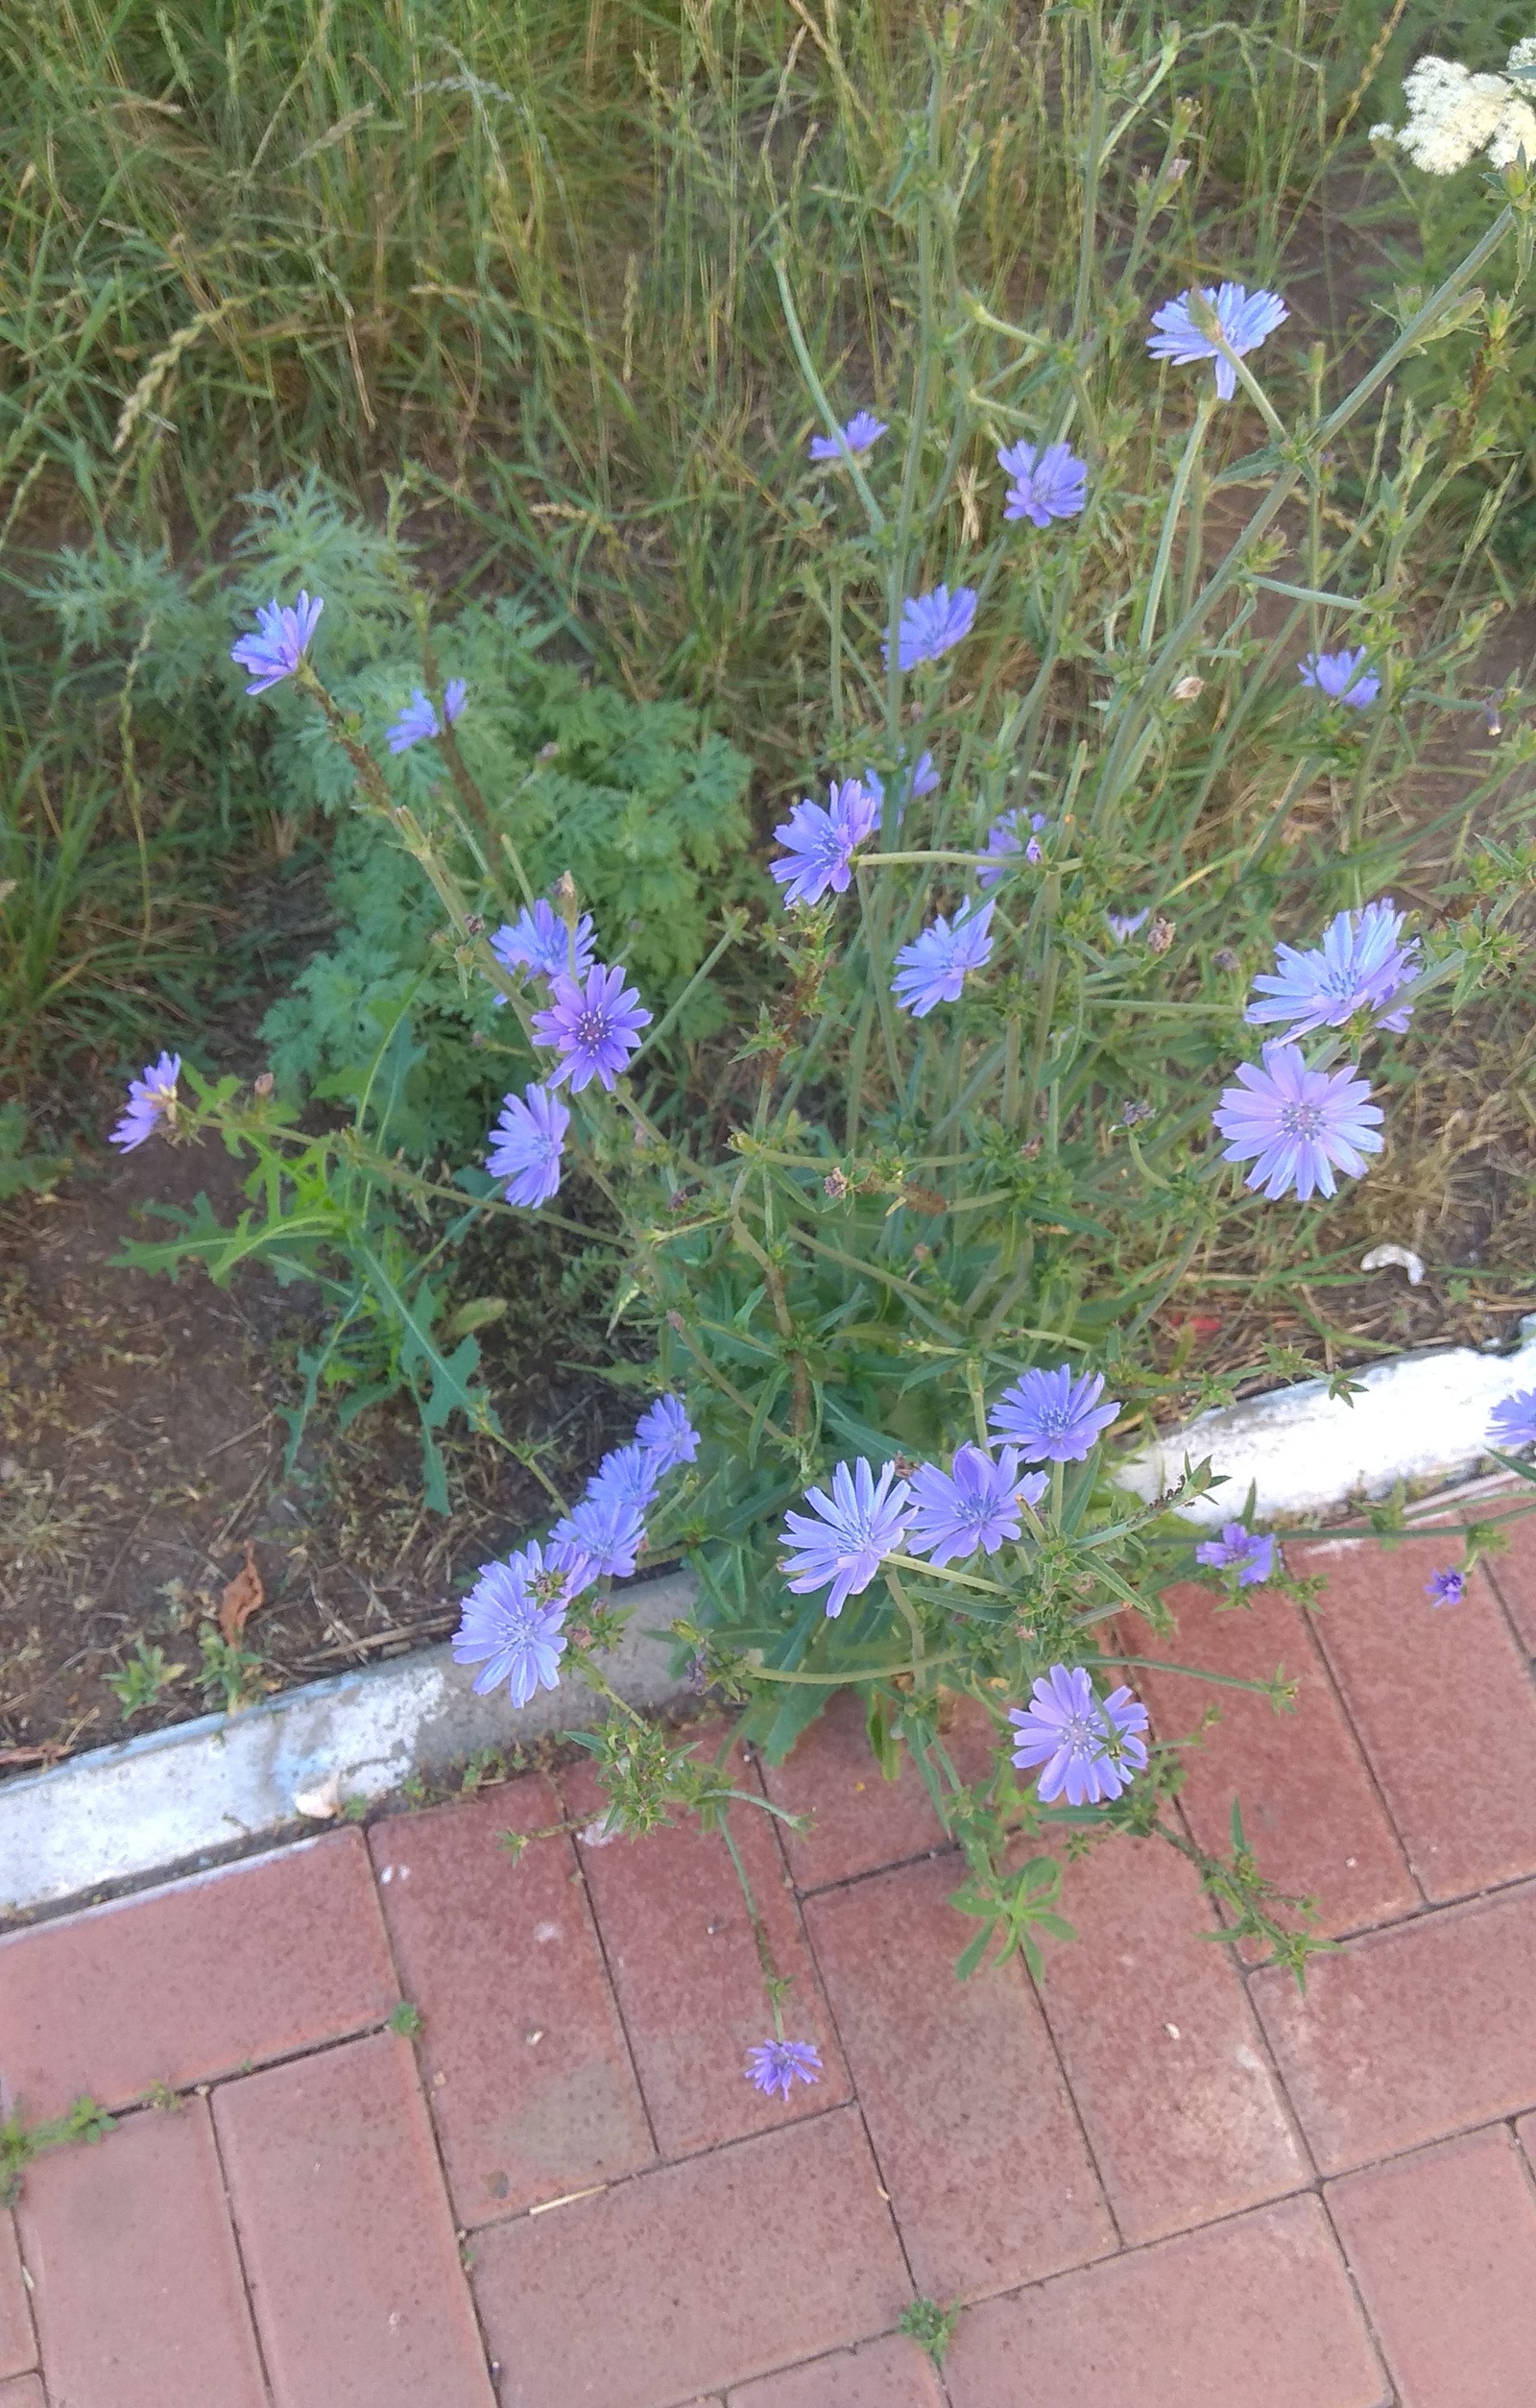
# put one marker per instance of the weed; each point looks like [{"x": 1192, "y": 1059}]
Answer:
[
  {"x": 229, "y": 1676},
  {"x": 931, "y": 2326},
  {"x": 406, "y": 2019},
  {"x": 20, "y": 2141},
  {"x": 142, "y": 1678}
]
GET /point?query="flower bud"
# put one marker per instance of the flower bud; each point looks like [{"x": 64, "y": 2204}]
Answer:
[{"x": 264, "y": 1085}]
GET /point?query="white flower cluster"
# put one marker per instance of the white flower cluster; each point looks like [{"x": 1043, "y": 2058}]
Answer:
[{"x": 1451, "y": 114}]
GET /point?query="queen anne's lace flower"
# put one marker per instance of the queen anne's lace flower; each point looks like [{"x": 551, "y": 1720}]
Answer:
[{"x": 1453, "y": 113}]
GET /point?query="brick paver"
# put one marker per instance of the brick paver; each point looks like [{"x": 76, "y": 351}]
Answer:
[
  {"x": 1162, "y": 2052},
  {"x": 139, "y": 2297},
  {"x": 1410, "y": 2034},
  {"x": 537, "y": 2095},
  {"x": 861, "y": 1820},
  {"x": 28, "y": 2392},
  {"x": 345, "y": 2233},
  {"x": 687, "y": 1970},
  {"x": 1417, "y": 1679},
  {"x": 19, "y": 2346},
  {"x": 1257, "y": 2312},
  {"x": 889, "y": 2373},
  {"x": 682, "y": 2280},
  {"x": 1443, "y": 2247},
  {"x": 976, "y": 2135},
  {"x": 1513, "y": 1573},
  {"x": 182, "y": 1984}
]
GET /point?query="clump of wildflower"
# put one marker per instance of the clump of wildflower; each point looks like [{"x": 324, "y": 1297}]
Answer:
[
  {"x": 512, "y": 1620},
  {"x": 776, "y": 2066},
  {"x": 1090, "y": 1751},
  {"x": 820, "y": 844},
  {"x": 838, "y": 1545},
  {"x": 1454, "y": 114},
  {"x": 419, "y": 720},
  {"x": 1446, "y": 1588},
  {"x": 935, "y": 966},
  {"x": 1046, "y": 484},
  {"x": 978, "y": 1503},
  {"x": 1052, "y": 1417},
  {"x": 1513, "y": 1423},
  {"x": 1244, "y": 318},
  {"x": 1341, "y": 676},
  {"x": 666, "y": 1433},
  {"x": 526, "y": 1146},
  {"x": 275, "y": 652},
  {"x": 539, "y": 945},
  {"x": 1360, "y": 966},
  {"x": 1297, "y": 1125},
  {"x": 1007, "y": 838},
  {"x": 1249, "y": 1555},
  {"x": 863, "y": 429},
  {"x": 595, "y": 1028},
  {"x": 1124, "y": 924},
  {"x": 930, "y": 625},
  {"x": 151, "y": 1101}
]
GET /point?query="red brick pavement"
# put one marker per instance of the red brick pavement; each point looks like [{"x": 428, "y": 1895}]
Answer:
[{"x": 1160, "y": 2174}]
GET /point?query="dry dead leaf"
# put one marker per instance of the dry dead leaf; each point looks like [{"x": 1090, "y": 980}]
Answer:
[{"x": 243, "y": 1597}]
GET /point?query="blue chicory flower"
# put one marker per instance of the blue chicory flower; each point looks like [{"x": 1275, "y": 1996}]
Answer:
[
  {"x": 976, "y": 1503},
  {"x": 526, "y": 1146},
  {"x": 1049, "y": 484},
  {"x": 862, "y": 431},
  {"x": 1337, "y": 675},
  {"x": 151, "y": 1100},
  {"x": 935, "y": 966},
  {"x": 607, "y": 1528},
  {"x": 840, "y": 1542},
  {"x": 666, "y": 1434},
  {"x": 1295, "y": 1124},
  {"x": 513, "y": 1619},
  {"x": 631, "y": 1474},
  {"x": 821, "y": 844},
  {"x": 924, "y": 780},
  {"x": 930, "y": 625},
  {"x": 1053, "y": 1417},
  {"x": 420, "y": 720},
  {"x": 277, "y": 650},
  {"x": 1513, "y": 1423},
  {"x": 1446, "y": 1588},
  {"x": 595, "y": 1027},
  {"x": 1244, "y": 318},
  {"x": 776, "y": 2064},
  {"x": 1006, "y": 837},
  {"x": 1124, "y": 924},
  {"x": 1248, "y": 1555},
  {"x": 538, "y": 944},
  {"x": 1360, "y": 966},
  {"x": 1091, "y": 1750}
]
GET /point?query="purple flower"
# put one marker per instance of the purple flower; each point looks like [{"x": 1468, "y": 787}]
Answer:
[
  {"x": 527, "y": 1143},
  {"x": 974, "y": 1503},
  {"x": 1514, "y": 1420},
  {"x": 605, "y": 1527},
  {"x": 1298, "y": 1123},
  {"x": 631, "y": 1474},
  {"x": 1358, "y": 967},
  {"x": 1005, "y": 837},
  {"x": 936, "y": 965},
  {"x": 1049, "y": 484},
  {"x": 1337, "y": 674},
  {"x": 1055, "y": 1418},
  {"x": 924, "y": 777},
  {"x": 595, "y": 1027},
  {"x": 774, "y": 2064},
  {"x": 1091, "y": 1751},
  {"x": 1446, "y": 1588},
  {"x": 1249, "y": 1555},
  {"x": 862, "y": 431},
  {"x": 275, "y": 653},
  {"x": 1124, "y": 924},
  {"x": 820, "y": 844},
  {"x": 931, "y": 625},
  {"x": 841, "y": 1541},
  {"x": 924, "y": 780},
  {"x": 151, "y": 1100},
  {"x": 1244, "y": 318},
  {"x": 512, "y": 1618},
  {"x": 666, "y": 1434},
  {"x": 419, "y": 719},
  {"x": 538, "y": 944}
]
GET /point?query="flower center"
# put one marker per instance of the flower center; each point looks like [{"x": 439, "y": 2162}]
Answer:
[
  {"x": 591, "y": 1027},
  {"x": 1055, "y": 1420},
  {"x": 1301, "y": 1119},
  {"x": 1083, "y": 1734}
]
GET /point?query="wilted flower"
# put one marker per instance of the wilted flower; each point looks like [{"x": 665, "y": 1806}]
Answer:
[
  {"x": 1339, "y": 676},
  {"x": 595, "y": 1027},
  {"x": 666, "y": 1434},
  {"x": 1049, "y": 484},
  {"x": 1054, "y": 1418},
  {"x": 1005, "y": 838},
  {"x": 1248, "y": 1555},
  {"x": 1513, "y": 1423},
  {"x": 777, "y": 2064},
  {"x": 1091, "y": 1750},
  {"x": 1299, "y": 1124},
  {"x": 513, "y": 1619},
  {"x": 526, "y": 1144},
  {"x": 1360, "y": 966},
  {"x": 1446, "y": 1588},
  {"x": 1161, "y": 934},
  {"x": 841, "y": 1540},
  {"x": 862, "y": 431},
  {"x": 974, "y": 1503},
  {"x": 151, "y": 1100},
  {"x": 539, "y": 943},
  {"x": 931, "y": 625},
  {"x": 277, "y": 650},
  {"x": 1189, "y": 688},
  {"x": 419, "y": 719},
  {"x": 835, "y": 1185},
  {"x": 820, "y": 844},
  {"x": 1244, "y": 318},
  {"x": 934, "y": 967},
  {"x": 1124, "y": 924}
]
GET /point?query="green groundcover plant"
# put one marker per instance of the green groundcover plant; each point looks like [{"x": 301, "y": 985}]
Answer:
[{"x": 1013, "y": 1062}]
